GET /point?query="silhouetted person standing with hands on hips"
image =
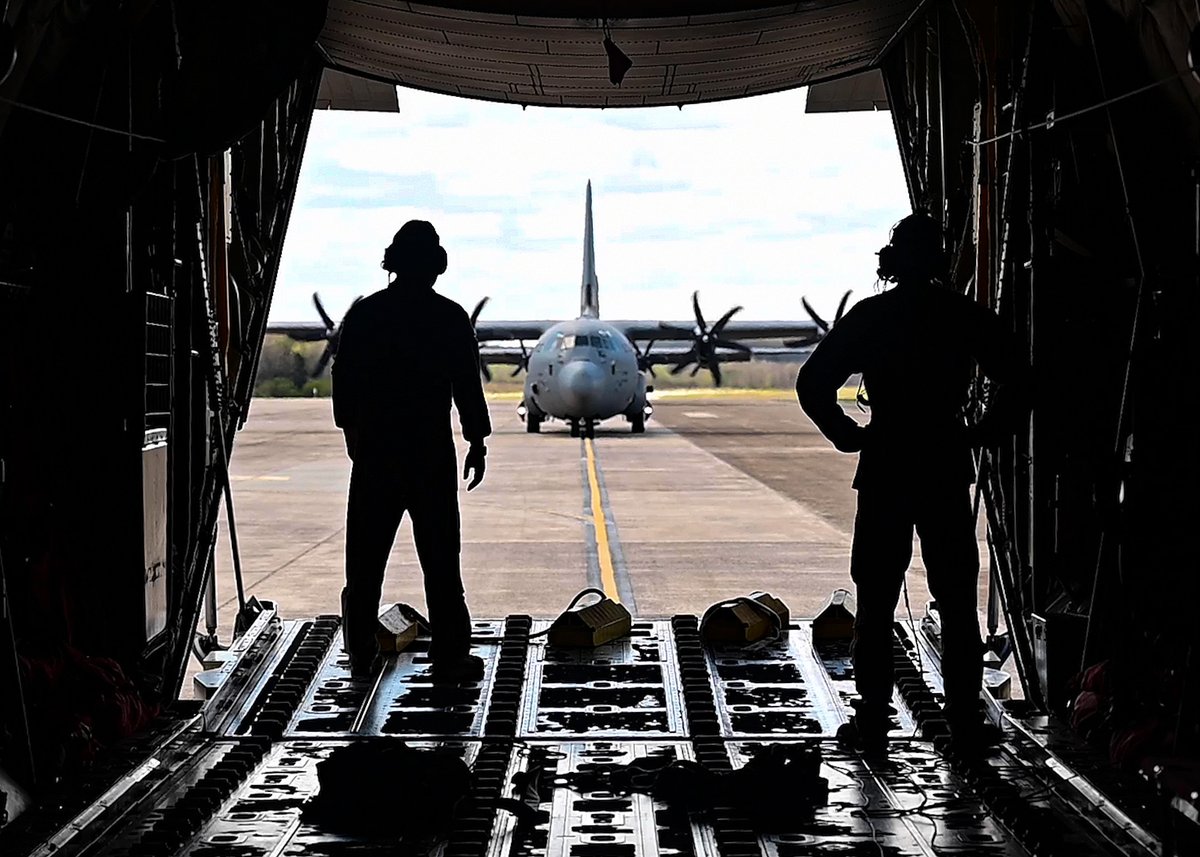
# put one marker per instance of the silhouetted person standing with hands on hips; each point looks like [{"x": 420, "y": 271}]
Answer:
[
  {"x": 914, "y": 345},
  {"x": 405, "y": 353}
]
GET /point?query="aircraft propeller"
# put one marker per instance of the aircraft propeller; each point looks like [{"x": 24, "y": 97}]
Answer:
[
  {"x": 332, "y": 336},
  {"x": 524, "y": 364},
  {"x": 483, "y": 365},
  {"x": 643, "y": 358},
  {"x": 822, "y": 323},
  {"x": 705, "y": 342}
]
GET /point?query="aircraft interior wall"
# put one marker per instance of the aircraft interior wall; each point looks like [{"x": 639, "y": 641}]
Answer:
[
  {"x": 105, "y": 286},
  {"x": 1082, "y": 231},
  {"x": 113, "y": 256}
]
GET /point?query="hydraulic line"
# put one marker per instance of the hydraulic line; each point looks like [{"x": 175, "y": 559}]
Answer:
[
  {"x": 1022, "y": 650},
  {"x": 217, "y": 386},
  {"x": 9, "y": 642},
  {"x": 1119, "y": 441}
]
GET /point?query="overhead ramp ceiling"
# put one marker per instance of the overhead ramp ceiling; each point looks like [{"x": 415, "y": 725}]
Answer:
[
  {"x": 552, "y": 54},
  {"x": 341, "y": 91},
  {"x": 863, "y": 91}
]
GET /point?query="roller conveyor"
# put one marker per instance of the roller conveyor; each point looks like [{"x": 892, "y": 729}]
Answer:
[{"x": 233, "y": 777}]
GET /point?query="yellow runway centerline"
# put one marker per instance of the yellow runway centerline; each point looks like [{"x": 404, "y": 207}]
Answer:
[{"x": 608, "y": 575}]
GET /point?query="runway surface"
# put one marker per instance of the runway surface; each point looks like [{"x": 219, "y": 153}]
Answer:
[{"x": 723, "y": 495}]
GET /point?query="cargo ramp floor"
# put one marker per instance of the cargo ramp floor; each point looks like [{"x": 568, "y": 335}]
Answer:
[{"x": 232, "y": 776}]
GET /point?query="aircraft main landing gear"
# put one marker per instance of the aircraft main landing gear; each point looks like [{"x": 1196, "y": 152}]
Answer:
[{"x": 637, "y": 423}]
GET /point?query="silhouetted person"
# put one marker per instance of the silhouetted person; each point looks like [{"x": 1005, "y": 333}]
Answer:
[
  {"x": 405, "y": 353},
  {"x": 914, "y": 345}
]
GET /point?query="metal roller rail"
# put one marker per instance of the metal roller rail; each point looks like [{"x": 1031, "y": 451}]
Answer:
[
  {"x": 475, "y": 821},
  {"x": 1040, "y": 827},
  {"x": 555, "y": 738},
  {"x": 279, "y": 700},
  {"x": 734, "y": 835}
]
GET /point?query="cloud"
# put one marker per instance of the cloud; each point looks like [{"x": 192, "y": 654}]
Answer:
[{"x": 751, "y": 202}]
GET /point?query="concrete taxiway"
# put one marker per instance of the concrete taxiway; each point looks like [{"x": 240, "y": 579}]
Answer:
[{"x": 723, "y": 495}]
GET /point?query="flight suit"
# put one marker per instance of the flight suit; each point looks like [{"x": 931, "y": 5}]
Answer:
[
  {"x": 914, "y": 346},
  {"x": 405, "y": 354}
]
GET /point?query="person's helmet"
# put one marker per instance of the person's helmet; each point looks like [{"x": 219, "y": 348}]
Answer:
[
  {"x": 416, "y": 247},
  {"x": 914, "y": 250}
]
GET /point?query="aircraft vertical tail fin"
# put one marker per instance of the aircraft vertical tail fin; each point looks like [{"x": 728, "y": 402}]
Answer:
[{"x": 589, "y": 297}]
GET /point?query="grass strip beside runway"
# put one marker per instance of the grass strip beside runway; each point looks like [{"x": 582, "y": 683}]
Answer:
[{"x": 845, "y": 394}]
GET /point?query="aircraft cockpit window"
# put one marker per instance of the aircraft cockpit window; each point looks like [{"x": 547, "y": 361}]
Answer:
[
  {"x": 581, "y": 340},
  {"x": 610, "y": 341}
]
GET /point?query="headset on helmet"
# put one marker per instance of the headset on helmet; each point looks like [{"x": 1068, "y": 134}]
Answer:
[
  {"x": 914, "y": 249},
  {"x": 415, "y": 245}
]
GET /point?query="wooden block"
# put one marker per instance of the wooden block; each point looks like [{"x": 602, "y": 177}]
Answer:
[
  {"x": 745, "y": 620},
  {"x": 395, "y": 630},
  {"x": 590, "y": 626},
  {"x": 836, "y": 619}
]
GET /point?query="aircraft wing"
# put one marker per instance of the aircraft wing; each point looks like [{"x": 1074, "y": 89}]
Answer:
[
  {"x": 782, "y": 355},
  {"x": 490, "y": 331},
  {"x": 510, "y": 331},
  {"x": 495, "y": 355},
  {"x": 486, "y": 331},
  {"x": 796, "y": 333},
  {"x": 302, "y": 331},
  {"x": 670, "y": 356}
]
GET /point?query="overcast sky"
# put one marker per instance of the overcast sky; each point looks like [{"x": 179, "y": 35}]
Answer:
[{"x": 751, "y": 202}]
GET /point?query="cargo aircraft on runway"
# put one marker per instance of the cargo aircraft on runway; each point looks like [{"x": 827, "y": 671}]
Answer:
[{"x": 586, "y": 370}]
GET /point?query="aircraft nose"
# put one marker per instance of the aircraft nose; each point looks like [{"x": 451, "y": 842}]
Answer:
[{"x": 581, "y": 384}]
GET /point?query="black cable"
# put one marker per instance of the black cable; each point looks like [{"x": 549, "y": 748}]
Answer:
[
  {"x": 775, "y": 619},
  {"x": 87, "y": 149},
  {"x": 1053, "y": 120},
  {"x": 1018, "y": 104},
  {"x": 217, "y": 388},
  {"x": 591, "y": 590},
  {"x": 423, "y": 623},
  {"x": 1133, "y": 333},
  {"x": 72, "y": 120},
  {"x": 17, "y": 699}
]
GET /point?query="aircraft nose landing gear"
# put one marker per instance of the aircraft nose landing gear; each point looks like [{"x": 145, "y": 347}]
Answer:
[{"x": 583, "y": 428}]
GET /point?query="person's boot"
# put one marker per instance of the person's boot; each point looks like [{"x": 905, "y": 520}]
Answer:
[
  {"x": 366, "y": 666},
  {"x": 464, "y": 669},
  {"x": 974, "y": 739},
  {"x": 867, "y": 730}
]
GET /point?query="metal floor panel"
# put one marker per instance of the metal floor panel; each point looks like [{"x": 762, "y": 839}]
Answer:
[
  {"x": 404, "y": 702},
  {"x": 785, "y": 688},
  {"x": 627, "y": 688},
  {"x": 560, "y": 742},
  {"x": 263, "y": 818},
  {"x": 584, "y": 812},
  {"x": 834, "y": 656},
  {"x": 912, "y": 804}
]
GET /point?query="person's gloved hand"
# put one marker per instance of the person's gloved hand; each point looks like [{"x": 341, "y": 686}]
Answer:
[
  {"x": 851, "y": 440},
  {"x": 476, "y": 461}
]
